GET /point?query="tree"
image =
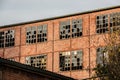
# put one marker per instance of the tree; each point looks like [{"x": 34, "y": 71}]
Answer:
[{"x": 110, "y": 69}]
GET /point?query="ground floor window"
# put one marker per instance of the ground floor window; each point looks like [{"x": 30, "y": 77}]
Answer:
[
  {"x": 102, "y": 56},
  {"x": 71, "y": 60},
  {"x": 37, "y": 61}
]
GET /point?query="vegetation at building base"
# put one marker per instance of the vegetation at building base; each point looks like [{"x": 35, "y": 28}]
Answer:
[{"x": 110, "y": 68}]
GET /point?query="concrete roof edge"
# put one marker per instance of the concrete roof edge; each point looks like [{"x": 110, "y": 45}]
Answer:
[{"x": 53, "y": 18}]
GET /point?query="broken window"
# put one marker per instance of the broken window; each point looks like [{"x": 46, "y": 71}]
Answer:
[
  {"x": 65, "y": 29},
  {"x": 42, "y": 33},
  {"x": 2, "y": 39},
  {"x": 7, "y": 38},
  {"x": 102, "y": 24},
  {"x": 64, "y": 61},
  {"x": 76, "y": 60},
  {"x": 114, "y": 21},
  {"x": 38, "y": 61},
  {"x": 36, "y": 34},
  {"x": 71, "y": 60},
  {"x": 102, "y": 56},
  {"x": 76, "y": 27},
  {"x": 31, "y": 35}
]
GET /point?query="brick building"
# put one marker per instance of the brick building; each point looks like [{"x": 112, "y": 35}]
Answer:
[
  {"x": 69, "y": 45},
  {"x": 11, "y": 70}
]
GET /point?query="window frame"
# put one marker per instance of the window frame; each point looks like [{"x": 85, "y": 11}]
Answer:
[
  {"x": 61, "y": 23},
  {"x": 71, "y": 26},
  {"x": 111, "y": 26},
  {"x": 43, "y": 25},
  {"x": 29, "y": 34},
  {"x": 71, "y": 67},
  {"x": 9, "y": 38},
  {"x": 37, "y": 33},
  {"x": 115, "y": 26},
  {"x": 80, "y": 26},
  {"x": 102, "y": 28},
  {"x": 103, "y": 54},
  {"x": 37, "y": 59}
]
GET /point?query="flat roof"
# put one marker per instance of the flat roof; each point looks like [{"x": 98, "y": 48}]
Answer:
[{"x": 53, "y": 18}]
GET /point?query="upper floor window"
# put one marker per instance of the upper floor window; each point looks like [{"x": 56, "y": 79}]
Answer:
[
  {"x": 102, "y": 24},
  {"x": 31, "y": 35},
  {"x": 114, "y": 21},
  {"x": 36, "y": 34},
  {"x": 71, "y": 60},
  {"x": 7, "y": 38},
  {"x": 70, "y": 29},
  {"x": 65, "y": 29},
  {"x": 76, "y": 27},
  {"x": 102, "y": 56},
  {"x": 2, "y": 36},
  {"x": 42, "y": 33},
  {"x": 37, "y": 61}
]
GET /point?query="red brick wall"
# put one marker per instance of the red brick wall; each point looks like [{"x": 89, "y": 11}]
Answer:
[{"x": 15, "y": 74}]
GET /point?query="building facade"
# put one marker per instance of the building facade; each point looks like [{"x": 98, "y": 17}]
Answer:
[{"x": 69, "y": 45}]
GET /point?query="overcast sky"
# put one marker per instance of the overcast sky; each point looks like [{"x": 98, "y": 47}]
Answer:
[{"x": 16, "y": 11}]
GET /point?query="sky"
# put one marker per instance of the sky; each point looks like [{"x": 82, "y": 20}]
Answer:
[{"x": 17, "y": 11}]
